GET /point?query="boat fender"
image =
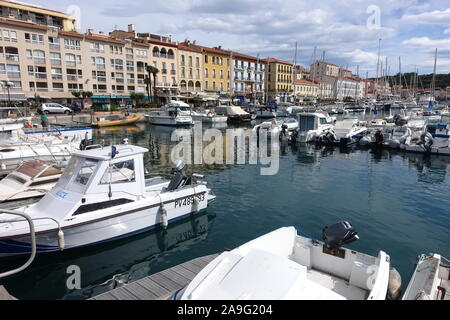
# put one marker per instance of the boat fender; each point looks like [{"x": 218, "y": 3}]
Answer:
[
  {"x": 394, "y": 285},
  {"x": 196, "y": 204},
  {"x": 164, "y": 218},
  {"x": 61, "y": 241},
  {"x": 3, "y": 166}
]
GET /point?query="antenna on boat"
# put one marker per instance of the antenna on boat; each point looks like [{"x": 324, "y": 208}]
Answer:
[{"x": 113, "y": 154}]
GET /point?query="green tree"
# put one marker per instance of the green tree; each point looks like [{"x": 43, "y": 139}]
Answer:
[
  {"x": 152, "y": 71},
  {"x": 76, "y": 94}
]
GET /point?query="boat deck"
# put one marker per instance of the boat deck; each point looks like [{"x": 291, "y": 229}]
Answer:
[
  {"x": 161, "y": 285},
  {"x": 444, "y": 273},
  {"x": 337, "y": 285}
]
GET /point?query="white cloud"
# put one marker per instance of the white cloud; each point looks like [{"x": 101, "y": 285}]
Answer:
[
  {"x": 425, "y": 42},
  {"x": 433, "y": 17}
]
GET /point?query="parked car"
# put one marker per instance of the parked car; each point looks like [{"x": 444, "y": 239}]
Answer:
[
  {"x": 53, "y": 108},
  {"x": 74, "y": 107}
]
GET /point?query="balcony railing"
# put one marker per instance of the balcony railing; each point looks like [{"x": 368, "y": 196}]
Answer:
[
  {"x": 100, "y": 90},
  {"x": 40, "y": 75},
  {"x": 55, "y": 46},
  {"x": 101, "y": 79},
  {"x": 119, "y": 80},
  {"x": 12, "y": 57},
  {"x": 55, "y": 62},
  {"x": 71, "y": 63},
  {"x": 129, "y": 56},
  {"x": 118, "y": 67},
  {"x": 57, "y": 76},
  {"x": 130, "y": 68},
  {"x": 71, "y": 77},
  {"x": 173, "y": 72},
  {"x": 140, "y": 81},
  {"x": 14, "y": 74},
  {"x": 164, "y": 71},
  {"x": 41, "y": 89},
  {"x": 101, "y": 66},
  {"x": 156, "y": 54},
  {"x": 39, "y": 60},
  {"x": 140, "y": 69},
  {"x": 130, "y": 80}
]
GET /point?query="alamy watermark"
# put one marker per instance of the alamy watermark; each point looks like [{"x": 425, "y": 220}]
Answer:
[
  {"x": 236, "y": 146},
  {"x": 374, "y": 20}
]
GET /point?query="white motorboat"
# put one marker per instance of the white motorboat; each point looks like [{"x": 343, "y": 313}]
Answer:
[
  {"x": 430, "y": 279},
  {"x": 348, "y": 131},
  {"x": 175, "y": 113},
  {"x": 285, "y": 265},
  {"x": 427, "y": 144},
  {"x": 33, "y": 178},
  {"x": 280, "y": 128},
  {"x": 314, "y": 127},
  {"x": 208, "y": 116},
  {"x": 380, "y": 131},
  {"x": 90, "y": 204},
  {"x": 264, "y": 112}
]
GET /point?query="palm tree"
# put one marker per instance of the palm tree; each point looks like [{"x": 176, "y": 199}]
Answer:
[
  {"x": 151, "y": 70},
  {"x": 148, "y": 82}
]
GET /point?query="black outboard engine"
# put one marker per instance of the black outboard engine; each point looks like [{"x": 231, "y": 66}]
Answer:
[
  {"x": 379, "y": 138},
  {"x": 85, "y": 143},
  {"x": 283, "y": 133},
  {"x": 179, "y": 179},
  {"x": 339, "y": 234},
  {"x": 426, "y": 139},
  {"x": 399, "y": 121}
]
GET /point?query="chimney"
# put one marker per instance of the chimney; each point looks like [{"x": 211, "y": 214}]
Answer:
[
  {"x": 90, "y": 31},
  {"x": 131, "y": 28}
]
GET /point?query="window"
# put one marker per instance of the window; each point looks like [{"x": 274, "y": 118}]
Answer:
[
  {"x": 206, "y": 59},
  {"x": 5, "y": 35},
  {"x": 29, "y": 54},
  {"x": 100, "y": 205},
  {"x": 14, "y": 36},
  {"x": 120, "y": 172},
  {"x": 87, "y": 169}
]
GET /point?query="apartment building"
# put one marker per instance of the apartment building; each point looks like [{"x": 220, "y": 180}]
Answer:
[
  {"x": 319, "y": 69},
  {"x": 305, "y": 89},
  {"x": 216, "y": 70},
  {"x": 248, "y": 77},
  {"x": 279, "y": 82},
  {"x": 190, "y": 66}
]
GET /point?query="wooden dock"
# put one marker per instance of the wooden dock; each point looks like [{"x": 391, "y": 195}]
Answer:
[{"x": 161, "y": 285}]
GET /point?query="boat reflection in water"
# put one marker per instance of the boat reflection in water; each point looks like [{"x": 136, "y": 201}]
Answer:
[{"x": 110, "y": 265}]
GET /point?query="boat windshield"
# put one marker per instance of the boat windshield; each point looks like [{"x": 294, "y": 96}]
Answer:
[
  {"x": 31, "y": 168},
  {"x": 77, "y": 174}
]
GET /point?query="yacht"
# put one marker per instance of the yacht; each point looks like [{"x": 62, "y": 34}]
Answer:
[
  {"x": 91, "y": 204},
  {"x": 314, "y": 127},
  {"x": 430, "y": 279},
  {"x": 286, "y": 265},
  {"x": 175, "y": 113},
  {"x": 281, "y": 128}
]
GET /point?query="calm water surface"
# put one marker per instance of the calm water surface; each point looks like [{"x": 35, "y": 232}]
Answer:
[{"x": 399, "y": 203}]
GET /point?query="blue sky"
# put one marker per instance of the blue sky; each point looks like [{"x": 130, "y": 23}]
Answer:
[{"x": 348, "y": 31}]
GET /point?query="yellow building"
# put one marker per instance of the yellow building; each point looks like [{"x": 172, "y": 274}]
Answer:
[
  {"x": 190, "y": 73},
  {"x": 305, "y": 89},
  {"x": 216, "y": 69},
  {"x": 279, "y": 80},
  {"x": 40, "y": 16}
]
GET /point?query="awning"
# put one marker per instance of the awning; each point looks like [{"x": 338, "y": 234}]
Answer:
[{"x": 13, "y": 97}]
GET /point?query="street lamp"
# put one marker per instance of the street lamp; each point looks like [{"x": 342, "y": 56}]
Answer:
[{"x": 8, "y": 84}]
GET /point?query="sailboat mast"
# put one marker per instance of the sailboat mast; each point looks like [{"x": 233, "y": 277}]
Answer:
[
  {"x": 434, "y": 74},
  {"x": 400, "y": 76}
]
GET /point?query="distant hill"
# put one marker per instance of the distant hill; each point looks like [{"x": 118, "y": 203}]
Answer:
[{"x": 424, "y": 82}]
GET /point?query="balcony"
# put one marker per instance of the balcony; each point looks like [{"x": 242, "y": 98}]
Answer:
[
  {"x": 101, "y": 79},
  {"x": 170, "y": 56},
  {"x": 97, "y": 50},
  {"x": 57, "y": 76},
  {"x": 41, "y": 89},
  {"x": 120, "y": 80},
  {"x": 71, "y": 77},
  {"x": 100, "y": 90},
  {"x": 101, "y": 66},
  {"x": 141, "y": 69},
  {"x": 164, "y": 71},
  {"x": 173, "y": 72},
  {"x": 40, "y": 75},
  {"x": 12, "y": 57},
  {"x": 156, "y": 54},
  {"x": 55, "y": 62},
  {"x": 130, "y": 81},
  {"x": 140, "y": 81},
  {"x": 54, "y": 46},
  {"x": 39, "y": 60},
  {"x": 118, "y": 67},
  {"x": 70, "y": 63},
  {"x": 13, "y": 74},
  {"x": 130, "y": 68},
  {"x": 129, "y": 56}
]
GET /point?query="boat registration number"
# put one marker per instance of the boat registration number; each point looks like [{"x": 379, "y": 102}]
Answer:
[{"x": 188, "y": 200}]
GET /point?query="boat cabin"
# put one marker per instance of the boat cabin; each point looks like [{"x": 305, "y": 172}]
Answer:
[
  {"x": 94, "y": 178},
  {"x": 312, "y": 121},
  {"x": 177, "y": 108}
]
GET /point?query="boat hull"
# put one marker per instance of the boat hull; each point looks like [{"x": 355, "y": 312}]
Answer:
[{"x": 92, "y": 233}]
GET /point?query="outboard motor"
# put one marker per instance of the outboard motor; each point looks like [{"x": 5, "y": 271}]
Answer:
[
  {"x": 339, "y": 234},
  {"x": 379, "y": 138},
  {"x": 399, "y": 121},
  {"x": 85, "y": 143},
  {"x": 283, "y": 133},
  {"x": 426, "y": 139},
  {"x": 179, "y": 179}
]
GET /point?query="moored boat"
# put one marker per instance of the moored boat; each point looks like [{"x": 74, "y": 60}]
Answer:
[
  {"x": 175, "y": 113},
  {"x": 91, "y": 204},
  {"x": 286, "y": 265}
]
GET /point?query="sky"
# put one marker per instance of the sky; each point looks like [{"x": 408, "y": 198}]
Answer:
[{"x": 346, "y": 32}]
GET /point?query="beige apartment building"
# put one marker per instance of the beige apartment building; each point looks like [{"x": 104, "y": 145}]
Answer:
[
  {"x": 190, "y": 66},
  {"x": 44, "y": 56}
]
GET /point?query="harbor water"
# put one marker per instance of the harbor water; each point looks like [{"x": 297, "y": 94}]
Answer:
[{"x": 398, "y": 203}]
